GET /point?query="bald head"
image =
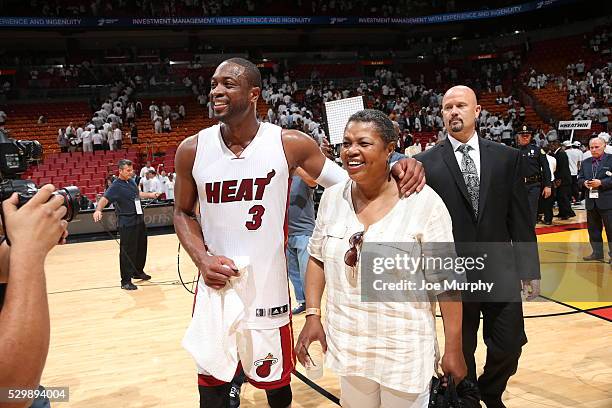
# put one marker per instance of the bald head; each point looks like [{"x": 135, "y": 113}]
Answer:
[
  {"x": 246, "y": 68},
  {"x": 462, "y": 91},
  {"x": 460, "y": 111}
]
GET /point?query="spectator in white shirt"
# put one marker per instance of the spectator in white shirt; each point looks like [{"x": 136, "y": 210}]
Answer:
[
  {"x": 86, "y": 136},
  {"x": 152, "y": 109},
  {"x": 151, "y": 183},
  {"x": 97, "y": 140},
  {"x": 145, "y": 169},
  {"x": 70, "y": 131},
  {"x": 169, "y": 187},
  {"x": 157, "y": 123},
  {"x": 117, "y": 137},
  {"x": 109, "y": 140}
]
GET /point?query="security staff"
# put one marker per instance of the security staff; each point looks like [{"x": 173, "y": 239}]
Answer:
[
  {"x": 124, "y": 195},
  {"x": 535, "y": 171}
]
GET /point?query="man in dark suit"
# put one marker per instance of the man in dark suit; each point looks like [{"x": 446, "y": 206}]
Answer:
[
  {"x": 596, "y": 176},
  {"x": 481, "y": 183},
  {"x": 563, "y": 181}
]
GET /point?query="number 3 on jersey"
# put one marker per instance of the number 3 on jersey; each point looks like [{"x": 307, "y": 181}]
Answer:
[{"x": 257, "y": 211}]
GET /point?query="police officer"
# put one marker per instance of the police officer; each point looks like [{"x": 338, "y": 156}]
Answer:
[
  {"x": 535, "y": 171},
  {"x": 124, "y": 194}
]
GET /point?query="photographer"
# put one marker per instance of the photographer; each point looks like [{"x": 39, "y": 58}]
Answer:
[
  {"x": 124, "y": 195},
  {"x": 33, "y": 230}
]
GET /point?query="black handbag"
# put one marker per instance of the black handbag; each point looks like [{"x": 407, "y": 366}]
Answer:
[{"x": 463, "y": 395}]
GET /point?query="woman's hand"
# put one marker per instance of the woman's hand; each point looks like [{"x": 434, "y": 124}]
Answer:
[{"x": 312, "y": 331}]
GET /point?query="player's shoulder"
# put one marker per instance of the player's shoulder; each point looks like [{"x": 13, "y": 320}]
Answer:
[
  {"x": 294, "y": 136},
  {"x": 191, "y": 142}
]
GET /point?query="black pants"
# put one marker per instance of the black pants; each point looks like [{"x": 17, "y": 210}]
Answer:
[
  {"x": 597, "y": 220},
  {"x": 504, "y": 335},
  {"x": 546, "y": 205},
  {"x": 534, "y": 191},
  {"x": 563, "y": 200},
  {"x": 575, "y": 189},
  {"x": 133, "y": 250}
]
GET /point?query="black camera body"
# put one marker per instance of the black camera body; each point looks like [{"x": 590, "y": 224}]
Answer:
[{"x": 15, "y": 156}]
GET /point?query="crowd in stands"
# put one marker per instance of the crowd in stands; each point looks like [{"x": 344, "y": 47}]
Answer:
[
  {"x": 159, "y": 8},
  {"x": 413, "y": 103},
  {"x": 105, "y": 129},
  {"x": 588, "y": 89}
]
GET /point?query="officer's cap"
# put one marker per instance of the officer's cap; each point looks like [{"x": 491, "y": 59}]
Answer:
[{"x": 524, "y": 130}]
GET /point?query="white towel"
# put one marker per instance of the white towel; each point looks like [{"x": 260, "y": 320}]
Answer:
[{"x": 211, "y": 335}]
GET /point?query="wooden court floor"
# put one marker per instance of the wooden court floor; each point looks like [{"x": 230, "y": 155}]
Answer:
[{"x": 116, "y": 349}]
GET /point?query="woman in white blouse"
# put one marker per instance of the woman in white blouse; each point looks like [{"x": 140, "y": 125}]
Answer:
[{"x": 384, "y": 352}]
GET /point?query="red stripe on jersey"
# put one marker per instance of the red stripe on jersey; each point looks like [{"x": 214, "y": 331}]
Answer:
[{"x": 286, "y": 240}]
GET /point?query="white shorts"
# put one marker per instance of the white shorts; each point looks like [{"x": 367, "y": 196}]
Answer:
[
  {"x": 266, "y": 356},
  {"x": 360, "y": 392}
]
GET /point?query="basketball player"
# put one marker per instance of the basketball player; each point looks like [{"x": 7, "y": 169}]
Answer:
[{"x": 239, "y": 171}]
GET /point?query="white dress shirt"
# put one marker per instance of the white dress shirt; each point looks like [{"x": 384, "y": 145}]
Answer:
[{"x": 474, "y": 152}]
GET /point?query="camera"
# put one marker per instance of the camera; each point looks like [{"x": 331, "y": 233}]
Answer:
[{"x": 15, "y": 155}]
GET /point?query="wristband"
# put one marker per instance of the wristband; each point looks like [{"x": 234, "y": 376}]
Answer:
[{"x": 313, "y": 311}]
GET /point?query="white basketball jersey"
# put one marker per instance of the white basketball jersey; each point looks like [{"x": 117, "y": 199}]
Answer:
[{"x": 243, "y": 205}]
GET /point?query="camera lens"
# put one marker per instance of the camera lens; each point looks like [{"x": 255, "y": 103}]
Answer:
[{"x": 71, "y": 196}]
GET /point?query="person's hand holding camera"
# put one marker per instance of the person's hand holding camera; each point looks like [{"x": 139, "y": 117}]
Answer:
[
  {"x": 33, "y": 230},
  {"x": 38, "y": 225}
]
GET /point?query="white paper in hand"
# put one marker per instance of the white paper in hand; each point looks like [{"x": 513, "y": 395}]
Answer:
[{"x": 338, "y": 113}]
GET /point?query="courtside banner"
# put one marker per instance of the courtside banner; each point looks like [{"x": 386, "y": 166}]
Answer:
[
  {"x": 136, "y": 22},
  {"x": 574, "y": 124}
]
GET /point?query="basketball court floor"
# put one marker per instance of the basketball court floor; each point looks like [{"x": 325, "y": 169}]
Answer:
[{"x": 116, "y": 348}]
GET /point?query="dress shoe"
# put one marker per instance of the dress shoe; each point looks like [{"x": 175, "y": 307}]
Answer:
[
  {"x": 142, "y": 276},
  {"x": 301, "y": 308},
  {"x": 547, "y": 222},
  {"x": 234, "y": 396},
  {"x": 129, "y": 286},
  {"x": 593, "y": 257}
]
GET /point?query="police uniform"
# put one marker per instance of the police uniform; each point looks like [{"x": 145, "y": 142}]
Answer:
[
  {"x": 536, "y": 173},
  {"x": 131, "y": 225}
]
